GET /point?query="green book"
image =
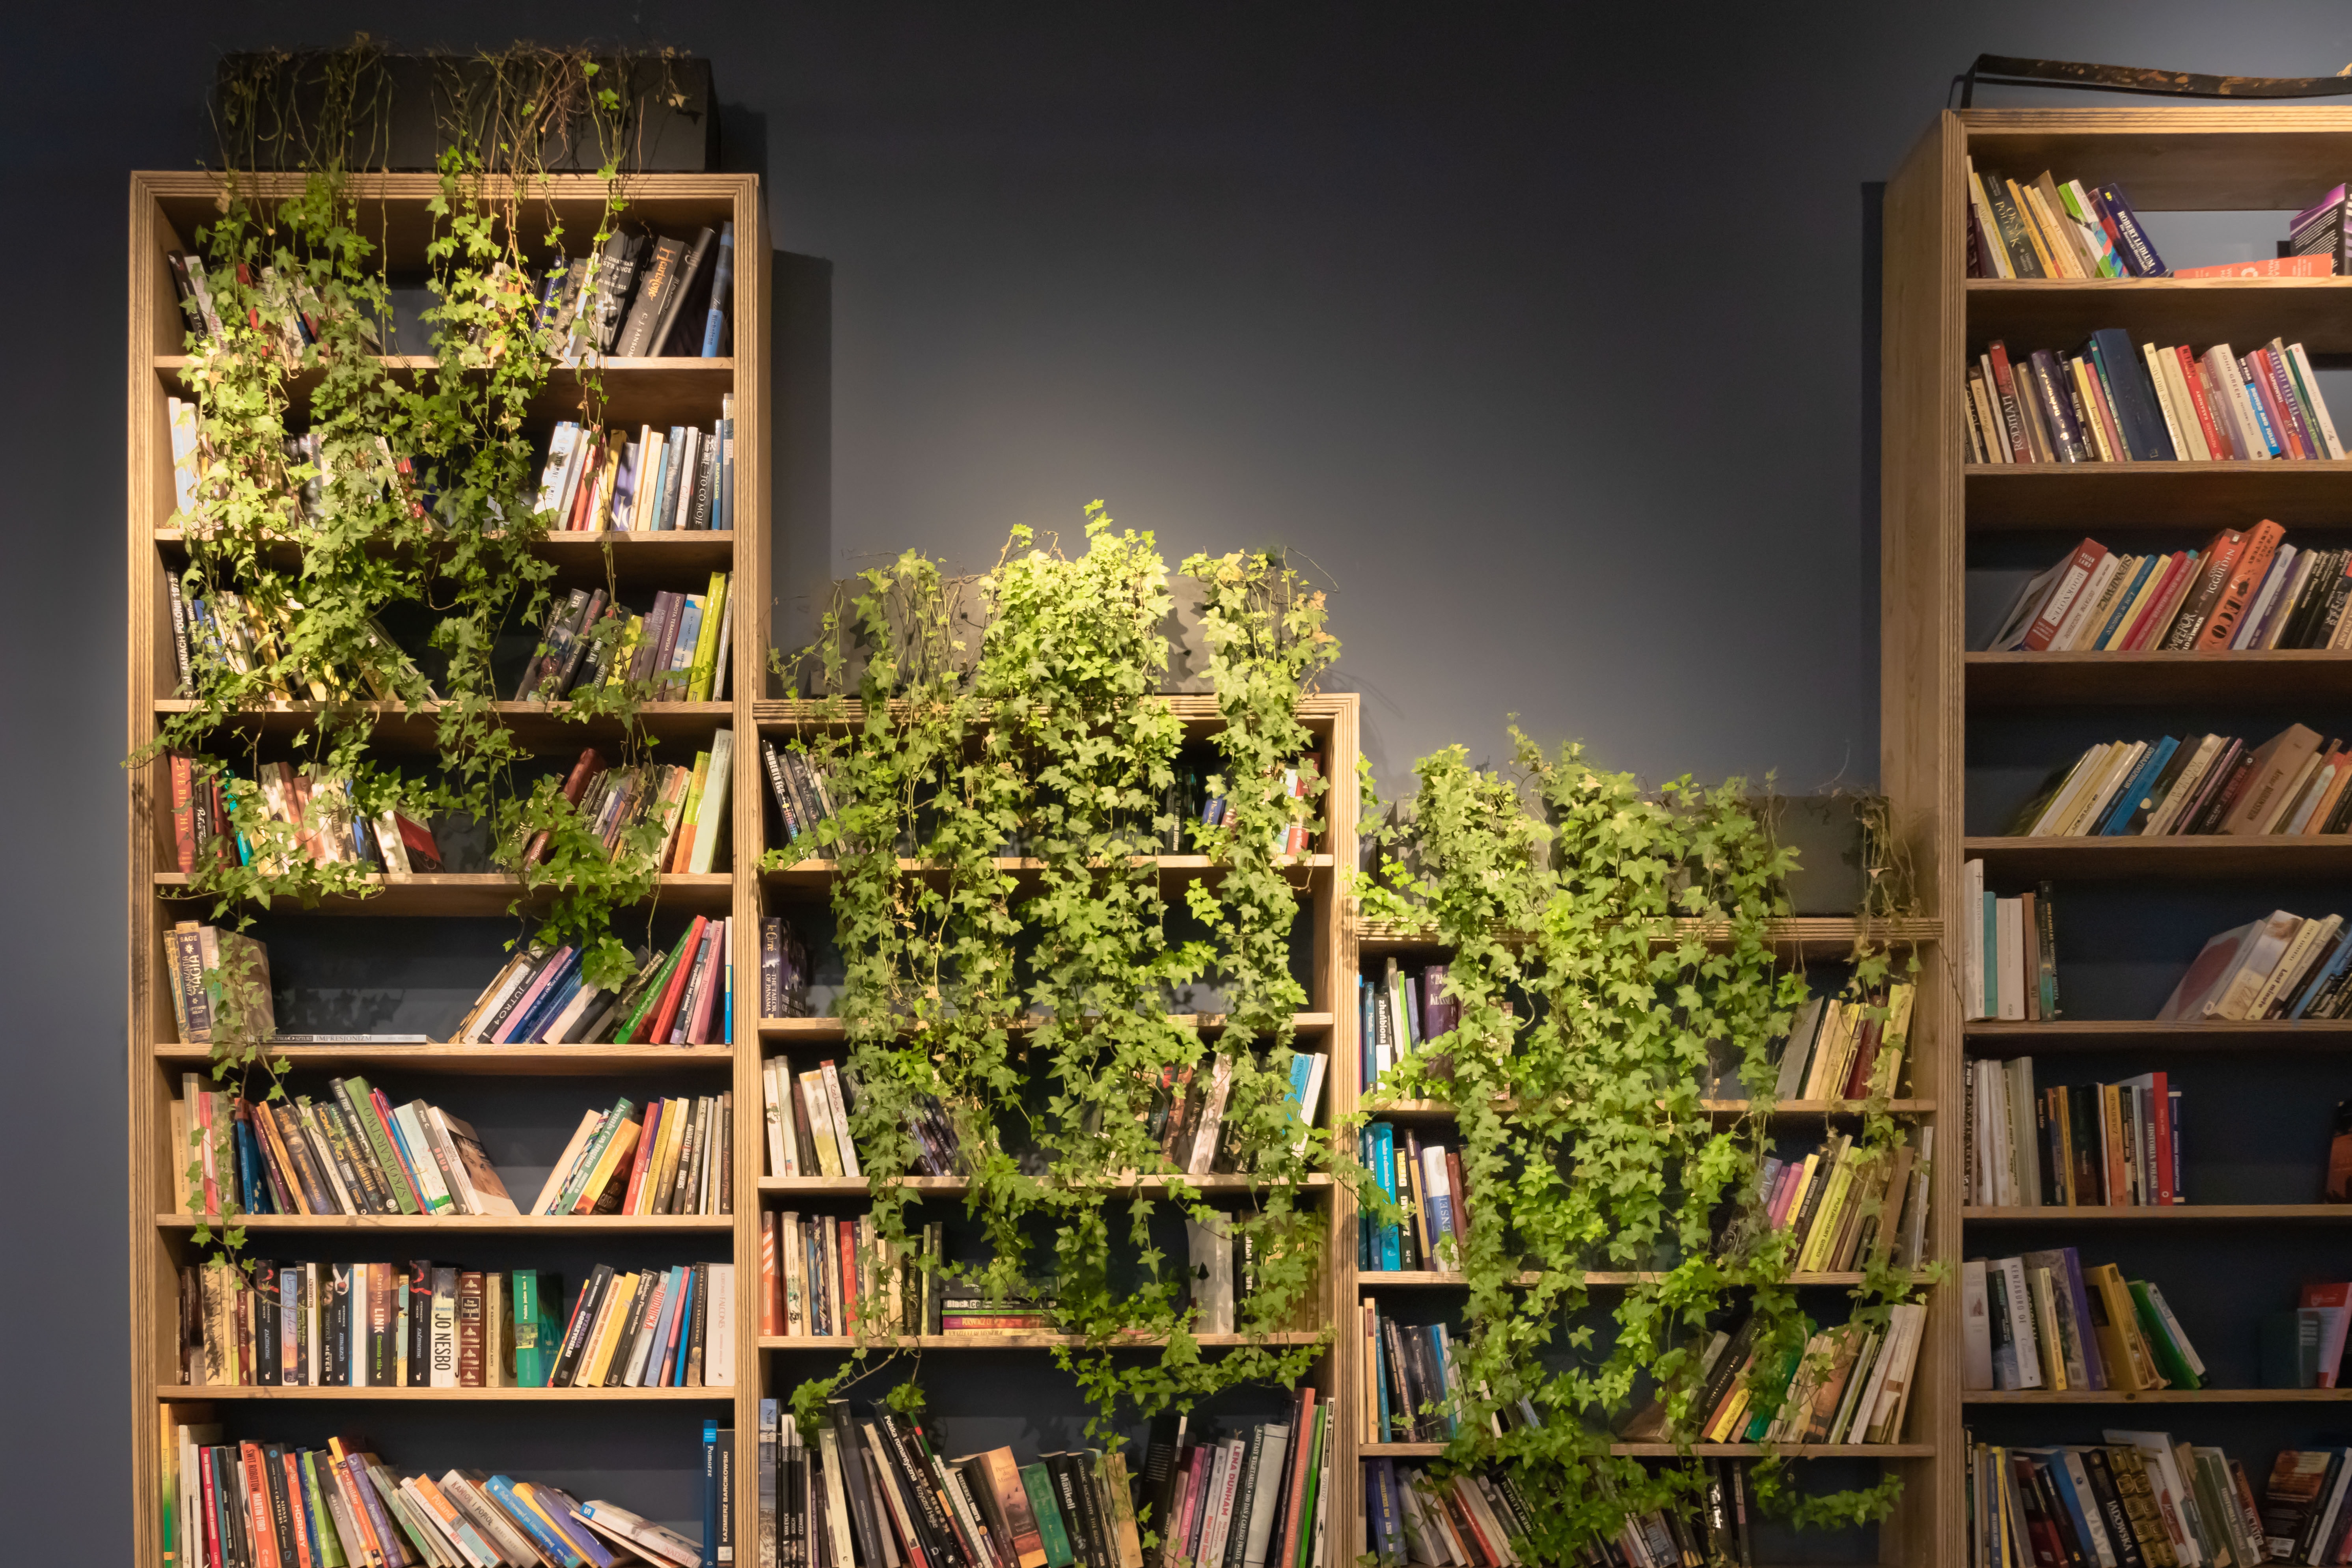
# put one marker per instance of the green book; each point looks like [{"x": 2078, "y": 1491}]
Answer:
[
  {"x": 1314, "y": 1484},
  {"x": 585, "y": 1167},
  {"x": 628, "y": 1032},
  {"x": 322, "y": 1526},
  {"x": 2178, "y": 1373},
  {"x": 379, "y": 1139},
  {"x": 529, "y": 1356},
  {"x": 1040, "y": 1488}
]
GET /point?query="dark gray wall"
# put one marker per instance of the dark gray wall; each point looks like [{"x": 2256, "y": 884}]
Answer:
[{"x": 1542, "y": 330}]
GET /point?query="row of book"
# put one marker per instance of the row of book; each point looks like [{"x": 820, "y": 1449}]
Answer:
[
  {"x": 798, "y": 787},
  {"x": 609, "y": 801},
  {"x": 785, "y": 970},
  {"x": 2281, "y": 966},
  {"x": 877, "y": 1491},
  {"x": 2245, "y": 590},
  {"x": 2292, "y": 784},
  {"x": 220, "y": 981},
  {"x": 677, "y": 481},
  {"x": 2110, "y": 403},
  {"x": 1427, "y": 1180},
  {"x": 682, "y": 998},
  {"x": 234, "y": 633},
  {"x": 1471, "y": 1520},
  {"x": 294, "y": 319},
  {"x": 642, "y": 295},
  {"x": 2140, "y": 1499},
  {"x": 351, "y": 1151},
  {"x": 2091, "y": 1145},
  {"x": 2009, "y": 955},
  {"x": 1402, "y": 1010},
  {"x": 2042, "y": 1321},
  {"x": 1850, "y": 1384},
  {"x": 1301, "y": 784},
  {"x": 1412, "y": 1389},
  {"x": 1843, "y": 1204},
  {"x": 276, "y": 1505},
  {"x": 668, "y": 1156},
  {"x": 2304, "y": 1346},
  {"x": 808, "y": 1124},
  {"x": 2043, "y": 228},
  {"x": 1845, "y": 1048},
  {"x": 423, "y": 1325},
  {"x": 831, "y": 1277},
  {"x": 215, "y": 821},
  {"x": 678, "y": 649},
  {"x": 1262, "y": 1495}
]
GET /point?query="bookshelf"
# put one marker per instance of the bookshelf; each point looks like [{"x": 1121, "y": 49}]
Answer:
[
  {"x": 165, "y": 209},
  {"x": 2131, "y": 911}
]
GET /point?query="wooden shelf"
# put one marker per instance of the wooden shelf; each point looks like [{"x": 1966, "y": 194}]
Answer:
[
  {"x": 858, "y": 1185},
  {"x": 2200, "y": 858},
  {"x": 536, "y": 725},
  {"x": 2082, "y": 498},
  {"x": 1697, "y": 1450},
  {"x": 462, "y": 1395},
  {"x": 484, "y": 1225},
  {"x": 458, "y": 894},
  {"x": 2302, "y": 676},
  {"x": 1411, "y": 1279},
  {"x": 667, "y": 391},
  {"x": 1805, "y": 936},
  {"x": 2156, "y": 1396},
  {"x": 1014, "y": 1340},
  {"x": 1320, "y": 712},
  {"x": 2177, "y": 1214},
  {"x": 1990, "y": 1037},
  {"x": 818, "y": 875},
  {"x": 684, "y": 555},
  {"x": 833, "y": 1031},
  {"x": 477, "y": 1061},
  {"x": 2030, "y": 313},
  {"x": 1441, "y": 1110}
]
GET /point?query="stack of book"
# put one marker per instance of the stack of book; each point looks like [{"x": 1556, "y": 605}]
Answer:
[
  {"x": 683, "y": 997},
  {"x": 2041, "y": 228},
  {"x": 2144, "y": 1498},
  {"x": 2110, "y": 402},
  {"x": 2042, "y": 1321},
  {"x": 1840, "y": 1205},
  {"x": 2010, "y": 953},
  {"x": 967, "y": 1308},
  {"x": 1427, "y": 1180},
  {"x": 671, "y": 1156},
  {"x": 1410, "y": 1387},
  {"x": 1850, "y": 1386},
  {"x": 1403, "y": 1010},
  {"x": 1470, "y": 1519},
  {"x": 676, "y": 651},
  {"x": 1210, "y": 1498},
  {"x": 233, "y": 1504},
  {"x": 640, "y": 295},
  {"x": 808, "y": 1124},
  {"x": 831, "y": 1277},
  {"x": 784, "y": 971},
  {"x": 1846, "y": 1047},
  {"x": 2245, "y": 590},
  {"x": 424, "y": 1325},
  {"x": 2281, "y": 966},
  {"x": 2091, "y": 1145},
  {"x": 1299, "y": 783},
  {"x": 677, "y": 481},
  {"x": 797, "y": 785},
  {"x": 213, "y": 821},
  {"x": 220, "y": 980},
  {"x": 610, "y": 801},
  {"x": 351, "y": 1151},
  {"x": 233, "y": 633},
  {"x": 2292, "y": 784},
  {"x": 2321, "y": 235}
]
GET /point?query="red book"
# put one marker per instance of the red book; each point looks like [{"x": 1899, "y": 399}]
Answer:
[
  {"x": 2244, "y": 582},
  {"x": 2077, "y": 575},
  {"x": 294, "y": 1493},
  {"x": 2005, "y": 384},
  {"x": 2284, "y": 428},
  {"x": 2143, "y": 623},
  {"x": 645, "y": 1141},
  {"x": 575, "y": 785},
  {"x": 656, "y": 1024},
  {"x": 2220, "y": 446},
  {"x": 714, "y": 981},
  {"x": 213, "y": 1552},
  {"x": 1302, "y": 1432},
  {"x": 184, "y": 811},
  {"x": 262, "y": 1529},
  {"x": 2160, "y": 1115},
  {"x": 2319, "y": 264},
  {"x": 850, "y": 1293}
]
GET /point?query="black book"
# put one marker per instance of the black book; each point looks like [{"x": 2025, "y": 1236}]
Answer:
[
  {"x": 575, "y": 650},
  {"x": 1070, "y": 1494},
  {"x": 1403, "y": 1421},
  {"x": 575, "y": 1336},
  {"x": 227, "y": 1477},
  {"x": 266, "y": 1324},
  {"x": 617, "y": 276},
  {"x": 2046, "y": 1489},
  {"x": 1245, "y": 1499},
  {"x": 2224, "y": 800},
  {"x": 910, "y": 1451},
  {"x": 691, "y": 279},
  {"x": 862, "y": 1520},
  {"x": 1159, "y": 1481},
  {"x": 1726, "y": 1368},
  {"x": 658, "y": 276},
  {"x": 705, "y": 470},
  {"x": 725, "y": 1526},
  {"x": 418, "y": 1284},
  {"x": 632, "y": 1328},
  {"x": 547, "y": 658},
  {"x": 674, "y": 454},
  {"x": 2111, "y": 1509},
  {"x": 281, "y": 1506}
]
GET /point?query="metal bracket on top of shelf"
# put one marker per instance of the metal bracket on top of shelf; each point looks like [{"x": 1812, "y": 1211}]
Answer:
[{"x": 2014, "y": 70}]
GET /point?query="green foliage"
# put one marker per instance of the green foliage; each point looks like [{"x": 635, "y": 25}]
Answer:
[
  {"x": 1602, "y": 941},
  {"x": 1032, "y": 1001}
]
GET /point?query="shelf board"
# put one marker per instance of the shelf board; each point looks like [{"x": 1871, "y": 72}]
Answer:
[
  {"x": 833, "y": 1031},
  {"x": 1197, "y": 712},
  {"x": 1442, "y": 1110},
  {"x": 1989, "y": 1037},
  {"x": 536, "y": 725},
  {"x": 2078, "y": 498},
  {"x": 682, "y": 554},
  {"x": 1808, "y": 936},
  {"x": 2300, "y": 675},
  {"x": 1409, "y": 1279},
  {"x": 1697, "y": 1450},
  {"x": 2030, "y": 312},
  {"x": 1016, "y": 1339},
  {"x": 820, "y": 1185},
  {"x": 465, "y": 1395},
  {"x": 488, "y": 893},
  {"x": 488, "y": 1224},
  {"x": 2186, "y": 857},
  {"x": 477, "y": 1061},
  {"x": 671, "y": 390},
  {"x": 2180, "y": 1213},
  {"x": 818, "y": 875},
  {"x": 2156, "y": 1396}
]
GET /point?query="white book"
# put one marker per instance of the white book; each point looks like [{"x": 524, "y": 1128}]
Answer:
[
  {"x": 2175, "y": 1506},
  {"x": 2288, "y": 566},
  {"x": 442, "y": 1355},
  {"x": 1973, "y": 876},
  {"x": 1212, "y": 1114},
  {"x": 2256, "y": 958},
  {"x": 658, "y": 1542},
  {"x": 718, "y": 1335},
  {"x": 1327, "y": 1497},
  {"x": 2121, "y": 765},
  {"x": 1219, "y": 1513},
  {"x": 2180, "y": 413},
  {"x": 1318, "y": 1063},
  {"x": 837, "y": 1495},
  {"x": 559, "y": 448},
  {"x": 2024, "y": 1160},
  {"x": 1901, "y": 1358},
  {"x": 717, "y": 800},
  {"x": 2060, "y": 806},
  {"x": 1438, "y": 1195},
  {"x": 1914, "y": 1245},
  {"x": 2023, "y": 1332},
  {"x": 2079, "y": 613},
  {"x": 429, "y": 1185},
  {"x": 1273, "y": 1442},
  {"x": 1210, "y": 1250},
  {"x": 788, "y": 1243},
  {"x": 838, "y": 1107},
  {"x": 2310, "y": 937},
  {"x": 553, "y": 1188},
  {"x": 2318, "y": 400},
  {"x": 723, "y": 649},
  {"x": 782, "y": 1153},
  {"x": 2010, "y": 933}
]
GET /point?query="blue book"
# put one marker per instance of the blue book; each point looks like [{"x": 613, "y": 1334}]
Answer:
[
  {"x": 2262, "y": 415},
  {"x": 2147, "y": 564},
  {"x": 1381, "y": 1382},
  {"x": 657, "y": 1356},
  {"x": 1384, "y": 1156},
  {"x": 2063, "y": 1484},
  {"x": 722, "y": 283},
  {"x": 253, "y": 1192},
  {"x": 686, "y": 1305},
  {"x": 525, "y": 1029},
  {"x": 710, "y": 1494},
  {"x": 2126, "y": 801},
  {"x": 545, "y": 1537},
  {"x": 1444, "y": 1390},
  {"x": 559, "y": 1506},
  {"x": 1363, "y": 1219},
  {"x": 722, "y": 502},
  {"x": 2326, "y": 971}
]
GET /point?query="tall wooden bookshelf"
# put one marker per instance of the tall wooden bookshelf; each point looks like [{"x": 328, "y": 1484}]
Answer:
[
  {"x": 1951, "y": 718},
  {"x": 167, "y": 208}
]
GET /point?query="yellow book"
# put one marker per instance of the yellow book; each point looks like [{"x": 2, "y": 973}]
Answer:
[
  {"x": 821, "y": 1131},
  {"x": 705, "y": 640},
  {"x": 683, "y": 841},
  {"x": 2086, "y": 393},
  {"x": 2115, "y": 1316},
  {"x": 1804, "y": 1182},
  {"x": 2054, "y": 237},
  {"x": 673, "y": 1139},
  {"x": 2031, "y": 224},
  {"x": 618, "y": 674},
  {"x": 1734, "y": 1409},
  {"x": 649, "y": 462},
  {"x": 2038, "y": 1287},
  {"x": 1895, "y": 1037},
  {"x": 617, "y": 1148},
  {"x": 1824, "y": 1232},
  {"x": 612, "y": 1314}
]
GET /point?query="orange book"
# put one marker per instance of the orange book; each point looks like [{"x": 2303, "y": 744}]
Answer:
[
  {"x": 2319, "y": 264},
  {"x": 847, "y": 1232},
  {"x": 771, "y": 1289},
  {"x": 659, "y": 1019},
  {"x": 2244, "y": 582},
  {"x": 652, "y": 1135}
]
